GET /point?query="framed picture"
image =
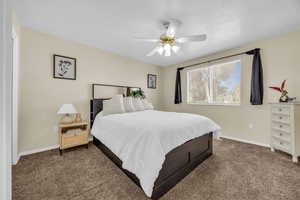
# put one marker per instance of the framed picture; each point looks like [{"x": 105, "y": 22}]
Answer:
[
  {"x": 64, "y": 67},
  {"x": 151, "y": 81}
]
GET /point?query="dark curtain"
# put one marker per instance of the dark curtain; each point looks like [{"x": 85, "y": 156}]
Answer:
[
  {"x": 178, "y": 97},
  {"x": 257, "y": 86}
]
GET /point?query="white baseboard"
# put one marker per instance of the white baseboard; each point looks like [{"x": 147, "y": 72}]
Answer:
[
  {"x": 25, "y": 153},
  {"x": 244, "y": 141},
  {"x": 16, "y": 160}
]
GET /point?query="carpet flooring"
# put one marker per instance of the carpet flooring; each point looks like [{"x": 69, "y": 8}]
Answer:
[{"x": 236, "y": 171}]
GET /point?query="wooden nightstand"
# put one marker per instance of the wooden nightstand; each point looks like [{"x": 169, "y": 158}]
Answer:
[{"x": 73, "y": 134}]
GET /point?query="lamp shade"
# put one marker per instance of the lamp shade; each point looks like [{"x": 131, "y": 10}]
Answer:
[{"x": 67, "y": 109}]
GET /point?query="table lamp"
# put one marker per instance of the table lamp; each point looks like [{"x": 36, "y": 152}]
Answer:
[{"x": 67, "y": 110}]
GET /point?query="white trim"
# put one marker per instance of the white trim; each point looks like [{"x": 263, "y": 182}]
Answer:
[
  {"x": 5, "y": 99},
  {"x": 15, "y": 85},
  {"x": 213, "y": 104},
  {"x": 245, "y": 141},
  {"x": 16, "y": 159},
  {"x": 25, "y": 153}
]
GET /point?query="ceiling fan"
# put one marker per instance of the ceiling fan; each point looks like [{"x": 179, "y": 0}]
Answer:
[{"x": 168, "y": 42}]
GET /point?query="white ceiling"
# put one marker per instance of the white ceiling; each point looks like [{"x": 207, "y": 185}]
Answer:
[{"x": 111, "y": 24}]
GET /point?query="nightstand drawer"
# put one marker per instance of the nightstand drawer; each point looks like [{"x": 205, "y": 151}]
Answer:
[{"x": 74, "y": 139}]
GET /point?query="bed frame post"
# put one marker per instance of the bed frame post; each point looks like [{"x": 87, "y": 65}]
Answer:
[{"x": 93, "y": 91}]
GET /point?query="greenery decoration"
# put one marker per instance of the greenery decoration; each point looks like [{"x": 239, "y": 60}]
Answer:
[{"x": 137, "y": 94}]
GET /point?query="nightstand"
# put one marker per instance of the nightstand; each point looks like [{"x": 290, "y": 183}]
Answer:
[{"x": 73, "y": 134}]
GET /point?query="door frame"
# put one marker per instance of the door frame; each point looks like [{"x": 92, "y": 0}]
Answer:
[
  {"x": 15, "y": 94},
  {"x": 5, "y": 99}
]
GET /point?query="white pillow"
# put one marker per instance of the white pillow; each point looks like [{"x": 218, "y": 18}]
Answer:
[
  {"x": 138, "y": 104},
  {"x": 128, "y": 105},
  {"x": 147, "y": 105},
  {"x": 113, "y": 106}
]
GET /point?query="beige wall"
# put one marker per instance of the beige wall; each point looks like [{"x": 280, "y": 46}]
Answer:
[
  {"x": 41, "y": 95},
  {"x": 280, "y": 57}
]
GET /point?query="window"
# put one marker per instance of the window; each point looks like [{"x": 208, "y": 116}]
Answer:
[{"x": 216, "y": 84}]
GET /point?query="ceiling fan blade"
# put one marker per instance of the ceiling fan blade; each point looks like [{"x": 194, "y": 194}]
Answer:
[
  {"x": 155, "y": 50},
  {"x": 191, "y": 38},
  {"x": 146, "y": 39}
]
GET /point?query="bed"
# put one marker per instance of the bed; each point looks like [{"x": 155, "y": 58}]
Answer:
[
  {"x": 177, "y": 164},
  {"x": 183, "y": 145}
]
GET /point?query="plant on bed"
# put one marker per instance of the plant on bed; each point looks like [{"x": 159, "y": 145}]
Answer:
[{"x": 137, "y": 94}]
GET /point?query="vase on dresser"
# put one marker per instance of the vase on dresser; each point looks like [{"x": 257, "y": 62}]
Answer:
[{"x": 285, "y": 128}]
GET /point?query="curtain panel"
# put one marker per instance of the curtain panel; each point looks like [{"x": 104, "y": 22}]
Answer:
[{"x": 257, "y": 85}]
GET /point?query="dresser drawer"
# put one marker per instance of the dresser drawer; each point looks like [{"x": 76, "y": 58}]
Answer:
[
  {"x": 70, "y": 140},
  {"x": 281, "y": 135},
  {"x": 281, "y": 127},
  {"x": 281, "y": 145},
  {"x": 281, "y": 118},
  {"x": 279, "y": 109}
]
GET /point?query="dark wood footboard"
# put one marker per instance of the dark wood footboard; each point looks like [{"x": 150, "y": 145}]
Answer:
[{"x": 178, "y": 164}]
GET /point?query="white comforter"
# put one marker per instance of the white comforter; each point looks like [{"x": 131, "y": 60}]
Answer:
[{"x": 142, "y": 139}]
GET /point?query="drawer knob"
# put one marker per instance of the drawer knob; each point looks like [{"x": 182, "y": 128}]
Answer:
[
  {"x": 280, "y": 117},
  {"x": 280, "y": 143},
  {"x": 280, "y": 109},
  {"x": 280, "y": 134},
  {"x": 280, "y": 126}
]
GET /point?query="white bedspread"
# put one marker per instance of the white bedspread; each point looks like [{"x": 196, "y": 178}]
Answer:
[{"x": 142, "y": 139}]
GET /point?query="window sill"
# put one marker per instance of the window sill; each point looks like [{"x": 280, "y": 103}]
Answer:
[{"x": 213, "y": 104}]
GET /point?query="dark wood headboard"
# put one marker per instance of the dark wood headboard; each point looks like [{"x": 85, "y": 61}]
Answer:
[{"x": 96, "y": 104}]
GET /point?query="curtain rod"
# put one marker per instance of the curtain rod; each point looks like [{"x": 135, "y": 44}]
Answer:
[{"x": 238, "y": 54}]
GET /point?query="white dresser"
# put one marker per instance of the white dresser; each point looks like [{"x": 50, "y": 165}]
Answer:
[{"x": 285, "y": 128}]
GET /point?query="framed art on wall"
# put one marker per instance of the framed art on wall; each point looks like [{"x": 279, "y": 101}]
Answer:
[
  {"x": 151, "y": 81},
  {"x": 64, "y": 67}
]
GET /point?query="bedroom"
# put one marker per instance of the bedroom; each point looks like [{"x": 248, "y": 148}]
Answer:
[{"x": 213, "y": 130}]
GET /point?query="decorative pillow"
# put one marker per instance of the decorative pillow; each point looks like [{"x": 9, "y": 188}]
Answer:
[
  {"x": 147, "y": 105},
  {"x": 138, "y": 104},
  {"x": 128, "y": 104},
  {"x": 113, "y": 106}
]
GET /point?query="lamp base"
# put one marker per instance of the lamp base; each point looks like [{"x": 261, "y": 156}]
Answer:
[
  {"x": 78, "y": 118},
  {"x": 67, "y": 119}
]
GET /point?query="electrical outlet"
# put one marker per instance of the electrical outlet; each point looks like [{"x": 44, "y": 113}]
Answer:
[{"x": 250, "y": 125}]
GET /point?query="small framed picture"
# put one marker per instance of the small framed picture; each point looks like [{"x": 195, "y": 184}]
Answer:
[
  {"x": 151, "y": 81},
  {"x": 64, "y": 67}
]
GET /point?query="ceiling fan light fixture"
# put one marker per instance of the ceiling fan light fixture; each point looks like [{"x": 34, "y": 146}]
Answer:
[
  {"x": 160, "y": 50},
  {"x": 175, "y": 48},
  {"x": 167, "y": 48},
  {"x": 168, "y": 42},
  {"x": 168, "y": 53}
]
